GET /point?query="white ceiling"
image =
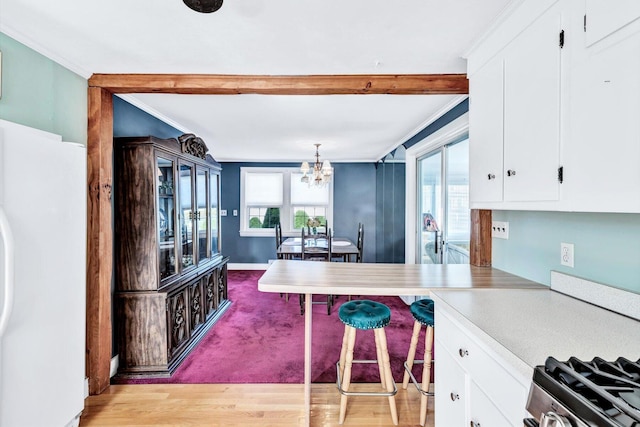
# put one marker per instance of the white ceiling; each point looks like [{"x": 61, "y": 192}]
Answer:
[{"x": 274, "y": 37}]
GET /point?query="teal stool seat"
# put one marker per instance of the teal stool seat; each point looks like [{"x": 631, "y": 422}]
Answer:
[
  {"x": 364, "y": 314},
  {"x": 422, "y": 311}
]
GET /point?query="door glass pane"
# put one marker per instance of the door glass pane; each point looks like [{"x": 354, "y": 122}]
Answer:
[
  {"x": 201, "y": 216},
  {"x": 186, "y": 215},
  {"x": 458, "y": 221},
  {"x": 166, "y": 212},
  {"x": 430, "y": 208},
  {"x": 213, "y": 202}
]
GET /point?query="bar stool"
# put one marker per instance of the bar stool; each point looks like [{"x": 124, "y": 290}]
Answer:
[
  {"x": 365, "y": 314},
  {"x": 422, "y": 311}
]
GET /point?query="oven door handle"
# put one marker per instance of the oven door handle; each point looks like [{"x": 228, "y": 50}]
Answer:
[{"x": 551, "y": 419}]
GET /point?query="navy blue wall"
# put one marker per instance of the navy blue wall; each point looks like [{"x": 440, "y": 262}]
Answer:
[
  {"x": 129, "y": 120},
  {"x": 363, "y": 192},
  {"x": 354, "y": 200},
  {"x": 390, "y": 207}
]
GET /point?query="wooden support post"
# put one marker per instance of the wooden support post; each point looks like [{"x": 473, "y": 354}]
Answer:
[
  {"x": 99, "y": 237},
  {"x": 480, "y": 246}
]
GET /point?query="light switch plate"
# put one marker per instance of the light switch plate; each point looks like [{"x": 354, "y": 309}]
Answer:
[
  {"x": 235, "y": 212},
  {"x": 223, "y": 212},
  {"x": 500, "y": 229}
]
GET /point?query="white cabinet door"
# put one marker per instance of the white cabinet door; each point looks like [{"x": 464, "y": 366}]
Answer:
[
  {"x": 482, "y": 412},
  {"x": 486, "y": 133},
  {"x": 604, "y": 17},
  {"x": 532, "y": 111},
  {"x": 450, "y": 400},
  {"x": 603, "y": 151}
]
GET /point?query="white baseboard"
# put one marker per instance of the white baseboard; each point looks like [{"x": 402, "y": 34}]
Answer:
[
  {"x": 247, "y": 266},
  {"x": 113, "y": 367}
]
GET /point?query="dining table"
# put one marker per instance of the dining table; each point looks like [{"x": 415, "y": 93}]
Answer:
[
  {"x": 340, "y": 247},
  {"x": 349, "y": 278}
]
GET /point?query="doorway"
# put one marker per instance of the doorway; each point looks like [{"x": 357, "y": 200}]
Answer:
[{"x": 443, "y": 215}]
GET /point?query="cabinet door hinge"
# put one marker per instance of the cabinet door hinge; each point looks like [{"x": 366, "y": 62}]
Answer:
[
  {"x": 561, "y": 174},
  {"x": 561, "y": 39},
  {"x": 584, "y": 23}
]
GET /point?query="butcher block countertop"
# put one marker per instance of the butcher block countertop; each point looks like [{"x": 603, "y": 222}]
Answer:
[{"x": 345, "y": 278}]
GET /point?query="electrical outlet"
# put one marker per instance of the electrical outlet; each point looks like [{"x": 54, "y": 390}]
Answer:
[
  {"x": 235, "y": 212},
  {"x": 223, "y": 212},
  {"x": 566, "y": 254},
  {"x": 500, "y": 229}
]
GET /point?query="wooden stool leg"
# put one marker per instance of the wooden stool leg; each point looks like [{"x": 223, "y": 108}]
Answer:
[
  {"x": 346, "y": 377},
  {"x": 426, "y": 373},
  {"x": 343, "y": 349},
  {"x": 379, "y": 360},
  {"x": 388, "y": 375},
  {"x": 412, "y": 352}
]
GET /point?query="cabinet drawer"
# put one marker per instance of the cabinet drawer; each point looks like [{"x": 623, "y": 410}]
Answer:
[{"x": 500, "y": 387}]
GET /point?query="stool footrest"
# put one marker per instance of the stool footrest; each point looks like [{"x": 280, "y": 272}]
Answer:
[
  {"x": 362, "y": 393},
  {"x": 414, "y": 381}
]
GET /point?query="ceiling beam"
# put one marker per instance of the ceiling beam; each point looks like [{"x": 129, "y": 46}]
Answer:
[{"x": 219, "y": 84}]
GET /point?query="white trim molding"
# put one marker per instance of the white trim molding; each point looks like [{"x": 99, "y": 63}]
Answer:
[{"x": 448, "y": 133}]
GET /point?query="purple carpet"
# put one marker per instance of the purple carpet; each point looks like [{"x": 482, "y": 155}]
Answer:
[{"x": 260, "y": 339}]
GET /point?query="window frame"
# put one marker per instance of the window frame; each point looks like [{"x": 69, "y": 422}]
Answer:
[{"x": 285, "y": 209}]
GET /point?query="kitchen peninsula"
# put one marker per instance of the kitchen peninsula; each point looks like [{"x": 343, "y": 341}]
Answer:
[{"x": 308, "y": 277}]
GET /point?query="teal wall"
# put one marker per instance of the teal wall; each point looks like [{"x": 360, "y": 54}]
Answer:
[
  {"x": 42, "y": 94},
  {"x": 606, "y": 246}
]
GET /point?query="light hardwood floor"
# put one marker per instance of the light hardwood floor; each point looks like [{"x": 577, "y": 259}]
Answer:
[{"x": 230, "y": 405}]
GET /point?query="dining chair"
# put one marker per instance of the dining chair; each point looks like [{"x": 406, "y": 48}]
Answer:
[
  {"x": 279, "y": 240},
  {"x": 278, "y": 232},
  {"x": 315, "y": 252},
  {"x": 360, "y": 242}
]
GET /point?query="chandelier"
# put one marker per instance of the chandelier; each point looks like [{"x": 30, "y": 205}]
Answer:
[{"x": 321, "y": 173}]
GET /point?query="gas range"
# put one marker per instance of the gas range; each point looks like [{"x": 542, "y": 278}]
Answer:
[{"x": 580, "y": 393}]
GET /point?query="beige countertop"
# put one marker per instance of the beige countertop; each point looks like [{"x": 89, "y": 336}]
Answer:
[{"x": 524, "y": 327}]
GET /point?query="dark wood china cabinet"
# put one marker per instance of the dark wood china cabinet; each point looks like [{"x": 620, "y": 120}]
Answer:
[{"x": 170, "y": 275}]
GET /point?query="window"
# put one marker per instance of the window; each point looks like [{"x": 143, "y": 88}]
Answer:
[{"x": 272, "y": 195}]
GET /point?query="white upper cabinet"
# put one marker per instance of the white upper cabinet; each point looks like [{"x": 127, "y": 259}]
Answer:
[
  {"x": 514, "y": 118},
  {"x": 573, "y": 109},
  {"x": 602, "y": 152},
  {"x": 486, "y": 133},
  {"x": 604, "y": 17},
  {"x": 532, "y": 111}
]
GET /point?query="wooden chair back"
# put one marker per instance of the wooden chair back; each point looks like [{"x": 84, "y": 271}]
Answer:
[
  {"x": 316, "y": 252},
  {"x": 278, "y": 232},
  {"x": 360, "y": 242}
]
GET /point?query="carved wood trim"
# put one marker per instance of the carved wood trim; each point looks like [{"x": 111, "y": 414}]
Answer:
[
  {"x": 217, "y": 84},
  {"x": 194, "y": 145},
  {"x": 99, "y": 238}
]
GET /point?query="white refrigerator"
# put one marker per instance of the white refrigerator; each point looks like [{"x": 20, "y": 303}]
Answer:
[{"x": 42, "y": 294}]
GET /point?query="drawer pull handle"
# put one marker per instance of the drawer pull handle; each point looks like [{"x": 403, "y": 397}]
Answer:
[
  {"x": 474, "y": 424},
  {"x": 491, "y": 176},
  {"x": 511, "y": 172},
  {"x": 454, "y": 397},
  {"x": 463, "y": 352}
]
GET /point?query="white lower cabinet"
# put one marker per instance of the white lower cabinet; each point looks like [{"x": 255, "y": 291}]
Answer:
[
  {"x": 450, "y": 397},
  {"x": 472, "y": 388}
]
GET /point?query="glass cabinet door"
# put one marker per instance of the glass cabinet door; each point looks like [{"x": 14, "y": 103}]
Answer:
[
  {"x": 214, "y": 227},
  {"x": 187, "y": 216},
  {"x": 202, "y": 220},
  {"x": 165, "y": 218}
]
